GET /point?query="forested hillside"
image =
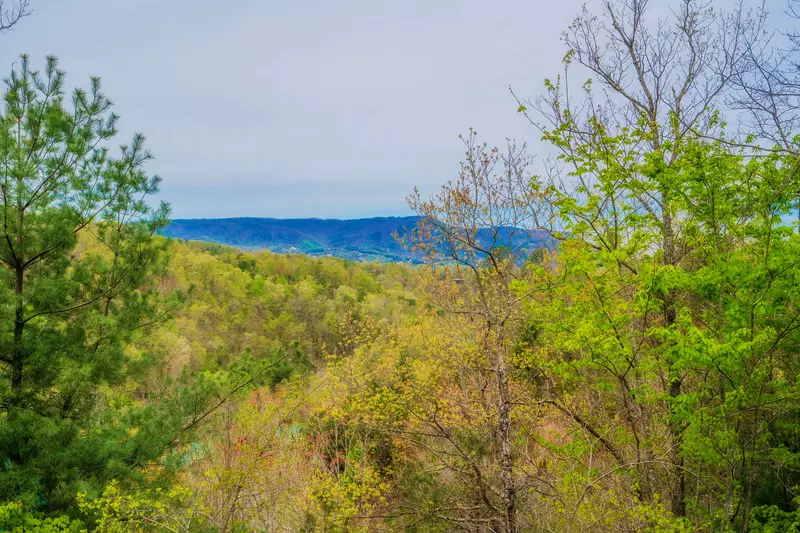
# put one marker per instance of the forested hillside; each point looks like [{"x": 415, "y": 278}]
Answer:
[
  {"x": 641, "y": 372},
  {"x": 365, "y": 239},
  {"x": 368, "y": 239}
]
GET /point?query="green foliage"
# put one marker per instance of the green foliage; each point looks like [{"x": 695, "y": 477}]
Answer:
[
  {"x": 641, "y": 376},
  {"x": 78, "y": 254},
  {"x": 667, "y": 320},
  {"x": 772, "y": 519},
  {"x": 174, "y": 510},
  {"x": 15, "y": 519}
]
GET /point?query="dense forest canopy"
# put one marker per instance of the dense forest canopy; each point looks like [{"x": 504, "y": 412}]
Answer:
[{"x": 639, "y": 373}]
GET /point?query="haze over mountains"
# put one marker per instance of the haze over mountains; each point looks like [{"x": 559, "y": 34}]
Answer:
[{"x": 364, "y": 239}]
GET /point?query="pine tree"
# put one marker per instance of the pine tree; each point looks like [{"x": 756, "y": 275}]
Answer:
[{"x": 78, "y": 252}]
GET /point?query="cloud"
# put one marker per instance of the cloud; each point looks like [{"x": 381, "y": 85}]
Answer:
[{"x": 336, "y": 107}]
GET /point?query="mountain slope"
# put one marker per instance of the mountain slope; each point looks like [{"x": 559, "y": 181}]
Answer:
[
  {"x": 360, "y": 239},
  {"x": 365, "y": 239}
]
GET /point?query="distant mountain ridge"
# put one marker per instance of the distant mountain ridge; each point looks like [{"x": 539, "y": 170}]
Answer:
[{"x": 363, "y": 239}]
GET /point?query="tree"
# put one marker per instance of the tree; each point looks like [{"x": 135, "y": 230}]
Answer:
[
  {"x": 665, "y": 215},
  {"x": 473, "y": 234},
  {"x": 10, "y": 16},
  {"x": 79, "y": 253},
  {"x": 766, "y": 82}
]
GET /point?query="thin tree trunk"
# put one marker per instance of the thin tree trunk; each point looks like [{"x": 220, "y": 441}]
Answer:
[
  {"x": 18, "y": 352},
  {"x": 678, "y": 506},
  {"x": 748, "y": 503},
  {"x": 506, "y": 460}
]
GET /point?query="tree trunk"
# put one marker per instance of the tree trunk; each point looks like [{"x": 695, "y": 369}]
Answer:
[
  {"x": 748, "y": 503},
  {"x": 506, "y": 460},
  {"x": 678, "y": 506},
  {"x": 18, "y": 351},
  {"x": 679, "y": 487}
]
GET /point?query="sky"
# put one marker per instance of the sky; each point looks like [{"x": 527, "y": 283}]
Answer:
[{"x": 303, "y": 108}]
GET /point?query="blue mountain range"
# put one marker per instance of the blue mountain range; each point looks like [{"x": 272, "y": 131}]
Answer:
[{"x": 364, "y": 239}]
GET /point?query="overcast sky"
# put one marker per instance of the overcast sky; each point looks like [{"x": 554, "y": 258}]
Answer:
[{"x": 303, "y": 108}]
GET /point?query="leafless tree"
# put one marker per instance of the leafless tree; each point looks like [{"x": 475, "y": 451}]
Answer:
[
  {"x": 474, "y": 232},
  {"x": 766, "y": 82},
  {"x": 11, "y": 13}
]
